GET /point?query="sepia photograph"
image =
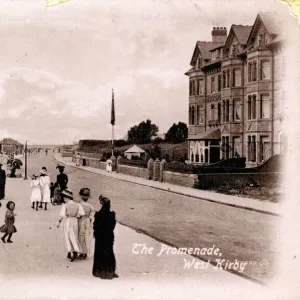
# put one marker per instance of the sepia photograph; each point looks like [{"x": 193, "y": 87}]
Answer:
[{"x": 149, "y": 149}]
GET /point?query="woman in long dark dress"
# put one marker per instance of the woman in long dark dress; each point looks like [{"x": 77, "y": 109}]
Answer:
[{"x": 104, "y": 257}]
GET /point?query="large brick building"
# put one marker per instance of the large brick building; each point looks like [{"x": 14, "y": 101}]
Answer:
[{"x": 235, "y": 97}]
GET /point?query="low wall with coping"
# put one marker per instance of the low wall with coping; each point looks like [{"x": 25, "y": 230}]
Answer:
[
  {"x": 187, "y": 180},
  {"x": 92, "y": 162},
  {"x": 133, "y": 171},
  {"x": 239, "y": 180},
  {"x": 204, "y": 181}
]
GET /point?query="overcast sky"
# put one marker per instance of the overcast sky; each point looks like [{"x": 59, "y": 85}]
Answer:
[{"x": 58, "y": 65}]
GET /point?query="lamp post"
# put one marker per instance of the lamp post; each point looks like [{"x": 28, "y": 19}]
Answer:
[{"x": 25, "y": 177}]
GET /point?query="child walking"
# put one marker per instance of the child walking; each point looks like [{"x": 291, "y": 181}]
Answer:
[{"x": 9, "y": 228}]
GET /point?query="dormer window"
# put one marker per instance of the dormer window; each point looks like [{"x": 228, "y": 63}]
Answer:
[
  {"x": 199, "y": 63},
  {"x": 261, "y": 40},
  {"x": 234, "y": 50}
]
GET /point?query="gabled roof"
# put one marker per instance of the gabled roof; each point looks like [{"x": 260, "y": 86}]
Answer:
[
  {"x": 241, "y": 32},
  {"x": 203, "y": 48},
  {"x": 270, "y": 21},
  {"x": 135, "y": 149}
]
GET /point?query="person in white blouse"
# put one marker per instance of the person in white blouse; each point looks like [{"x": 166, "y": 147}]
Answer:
[
  {"x": 45, "y": 187},
  {"x": 71, "y": 212}
]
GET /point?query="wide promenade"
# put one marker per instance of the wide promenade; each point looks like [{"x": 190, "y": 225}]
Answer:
[{"x": 35, "y": 265}]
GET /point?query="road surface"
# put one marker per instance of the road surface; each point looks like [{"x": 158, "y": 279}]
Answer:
[{"x": 35, "y": 265}]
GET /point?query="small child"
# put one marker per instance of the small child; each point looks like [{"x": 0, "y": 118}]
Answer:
[
  {"x": 56, "y": 195},
  {"x": 9, "y": 228},
  {"x": 36, "y": 194},
  {"x": 51, "y": 191}
]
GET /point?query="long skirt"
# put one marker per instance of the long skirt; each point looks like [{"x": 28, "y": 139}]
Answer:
[
  {"x": 36, "y": 195},
  {"x": 46, "y": 194},
  {"x": 84, "y": 235},
  {"x": 71, "y": 234},
  {"x": 104, "y": 258},
  {"x": 2, "y": 191}
]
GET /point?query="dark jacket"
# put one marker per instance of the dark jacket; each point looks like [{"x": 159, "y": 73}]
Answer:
[
  {"x": 62, "y": 180},
  {"x": 2, "y": 176}
]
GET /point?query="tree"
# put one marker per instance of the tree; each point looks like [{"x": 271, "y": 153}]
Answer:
[
  {"x": 142, "y": 133},
  {"x": 154, "y": 151},
  {"x": 177, "y": 133},
  {"x": 120, "y": 143}
]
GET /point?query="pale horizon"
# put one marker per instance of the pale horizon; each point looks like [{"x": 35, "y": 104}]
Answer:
[{"x": 61, "y": 64}]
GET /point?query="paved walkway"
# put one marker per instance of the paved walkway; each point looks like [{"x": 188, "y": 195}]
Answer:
[
  {"x": 35, "y": 265},
  {"x": 246, "y": 203}
]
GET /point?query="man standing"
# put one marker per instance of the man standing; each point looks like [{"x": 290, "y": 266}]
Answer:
[
  {"x": 62, "y": 180},
  {"x": 2, "y": 182}
]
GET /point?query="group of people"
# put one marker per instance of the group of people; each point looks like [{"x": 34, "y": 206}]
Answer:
[
  {"x": 40, "y": 190},
  {"x": 44, "y": 191},
  {"x": 78, "y": 217}
]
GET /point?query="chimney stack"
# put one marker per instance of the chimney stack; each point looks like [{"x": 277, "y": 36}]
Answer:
[{"x": 219, "y": 34}]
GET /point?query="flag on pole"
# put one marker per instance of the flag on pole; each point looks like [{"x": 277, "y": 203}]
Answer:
[
  {"x": 55, "y": 2},
  {"x": 113, "y": 117}
]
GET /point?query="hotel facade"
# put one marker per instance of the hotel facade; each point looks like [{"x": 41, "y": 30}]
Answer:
[{"x": 236, "y": 103}]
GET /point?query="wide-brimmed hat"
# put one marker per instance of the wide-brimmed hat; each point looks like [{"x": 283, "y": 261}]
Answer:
[
  {"x": 60, "y": 167},
  {"x": 68, "y": 194},
  {"x": 85, "y": 193}
]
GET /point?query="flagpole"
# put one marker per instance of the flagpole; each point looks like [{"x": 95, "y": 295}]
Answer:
[
  {"x": 112, "y": 120},
  {"x": 112, "y": 141}
]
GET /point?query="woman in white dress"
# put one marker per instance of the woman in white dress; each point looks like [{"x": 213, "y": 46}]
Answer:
[
  {"x": 71, "y": 212},
  {"x": 109, "y": 165},
  {"x": 45, "y": 188},
  {"x": 36, "y": 195},
  {"x": 85, "y": 223}
]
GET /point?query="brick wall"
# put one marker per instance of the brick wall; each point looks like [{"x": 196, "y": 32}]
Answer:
[
  {"x": 133, "y": 171},
  {"x": 182, "y": 179},
  {"x": 92, "y": 162},
  {"x": 238, "y": 180}
]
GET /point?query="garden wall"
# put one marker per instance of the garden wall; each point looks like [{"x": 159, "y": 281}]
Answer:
[
  {"x": 238, "y": 180},
  {"x": 182, "y": 179},
  {"x": 133, "y": 171},
  {"x": 92, "y": 162}
]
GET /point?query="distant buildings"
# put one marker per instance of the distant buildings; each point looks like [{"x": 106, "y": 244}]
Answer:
[
  {"x": 235, "y": 98},
  {"x": 10, "y": 146}
]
